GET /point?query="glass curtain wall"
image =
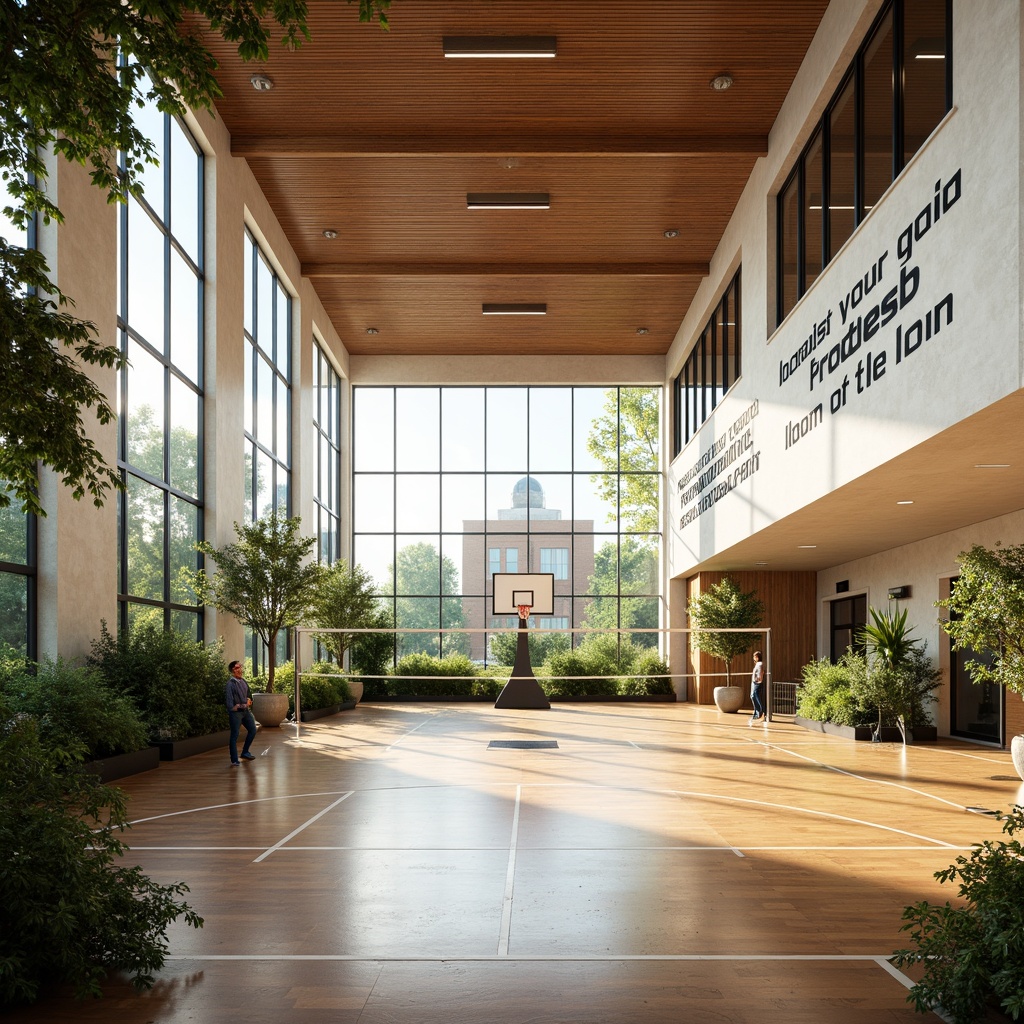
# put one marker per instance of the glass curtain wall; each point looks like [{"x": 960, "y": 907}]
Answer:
[
  {"x": 17, "y": 531},
  {"x": 454, "y": 484},
  {"x": 160, "y": 399},
  {"x": 267, "y": 354}
]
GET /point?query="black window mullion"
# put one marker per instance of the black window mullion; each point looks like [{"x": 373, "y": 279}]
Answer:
[{"x": 897, "y": 89}]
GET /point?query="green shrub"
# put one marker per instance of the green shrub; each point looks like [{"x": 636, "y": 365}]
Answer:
[
  {"x": 318, "y": 691},
  {"x": 973, "y": 955},
  {"x": 901, "y": 691},
  {"x": 176, "y": 682},
  {"x": 75, "y": 703},
  {"x": 428, "y": 665},
  {"x": 373, "y": 654},
  {"x": 489, "y": 686},
  {"x": 503, "y": 646},
  {"x": 573, "y": 674},
  {"x": 650, "y": 678},
  {"x": 72, "y": 913},
  {"x": 827, "y": 692},
  {"x": 375, "y": 689}
]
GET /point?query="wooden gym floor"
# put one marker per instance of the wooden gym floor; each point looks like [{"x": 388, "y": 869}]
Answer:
[{"x": 663, "y": 863}]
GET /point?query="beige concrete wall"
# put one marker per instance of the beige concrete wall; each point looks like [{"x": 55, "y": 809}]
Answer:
[
  {"x": 77, "y": 578},
  {"x": 454, "y": 369}
]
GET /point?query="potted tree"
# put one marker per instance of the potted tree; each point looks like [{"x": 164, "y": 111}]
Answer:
[
  {"x": 724, "y": 606},
  {"x": 987, "y": 605},
  {"x": 346, "y": 599},
  {"x": 265, "y": 580}
]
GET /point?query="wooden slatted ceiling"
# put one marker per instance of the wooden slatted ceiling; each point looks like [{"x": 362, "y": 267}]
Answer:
[{"x": 379, "y": 137}]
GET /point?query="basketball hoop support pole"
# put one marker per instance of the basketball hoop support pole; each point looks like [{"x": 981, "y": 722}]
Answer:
[{"x": 522, "y": 691}]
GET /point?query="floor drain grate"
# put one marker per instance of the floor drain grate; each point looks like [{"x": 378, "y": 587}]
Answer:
[{"x": 523, "y": 744}]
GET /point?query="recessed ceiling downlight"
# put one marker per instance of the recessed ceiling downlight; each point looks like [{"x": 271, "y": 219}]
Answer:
[{"x": 261, "y": 82}]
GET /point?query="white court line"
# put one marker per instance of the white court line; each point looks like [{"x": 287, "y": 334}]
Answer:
[
  {"x": 864, "y": 778},
  {"x": 820, "y": 814},
  {"x": 405, "y": 735},
  {"x": 560, "y": 849},
  {"x": 230, "y": 803},
  {"x": 510, "y": 878},
  {"x": 601, "y": 958},
  {"x": 277, "y": 846},
  {"x": 578, "y": 785}
]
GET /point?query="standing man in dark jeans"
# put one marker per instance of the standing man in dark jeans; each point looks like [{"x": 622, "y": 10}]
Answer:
[
  {"x": 757, "y": 688},
  {"x": 238, "y": 699}
]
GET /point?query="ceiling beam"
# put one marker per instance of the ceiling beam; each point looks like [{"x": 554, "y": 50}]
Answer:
[
  {"x": 390, "y": 146},
  {"x": 520, "y": 270}
]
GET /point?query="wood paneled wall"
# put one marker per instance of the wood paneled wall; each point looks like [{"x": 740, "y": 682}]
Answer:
[{"x": 790, "y": 600}]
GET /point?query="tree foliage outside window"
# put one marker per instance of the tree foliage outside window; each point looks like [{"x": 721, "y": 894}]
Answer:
[
  {"x": 624, "y": 439},
  {"x": 420, "y": 573}
]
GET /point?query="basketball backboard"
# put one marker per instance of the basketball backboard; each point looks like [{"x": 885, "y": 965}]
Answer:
[{"x": 512, "y": 589}]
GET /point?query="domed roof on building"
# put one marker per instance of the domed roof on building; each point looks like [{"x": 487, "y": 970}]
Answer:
[{"x": 527, "y": 492}]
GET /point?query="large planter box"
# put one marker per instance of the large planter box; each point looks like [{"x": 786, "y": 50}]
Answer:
[
  {"x": 174, "y": 750},
  {"x": 122, "y": 765},
  {"x": 332, "y": 709},
  {"x": 890, "y": 734}
]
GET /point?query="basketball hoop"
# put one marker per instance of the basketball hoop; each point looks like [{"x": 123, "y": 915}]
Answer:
[{"x": 524, "y": 611}]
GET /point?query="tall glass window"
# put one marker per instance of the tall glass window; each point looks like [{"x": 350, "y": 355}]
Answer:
[
  {"x": 17, "y": 531},
  {"x": 711, "y": 368},
  {"x": 267, "y": 343},
  {"x": 453, "y": 484},
  {"x": 160, "y": 437},
  {"x": 897, "y": 90},
  {"x": 327, "y": 445}
]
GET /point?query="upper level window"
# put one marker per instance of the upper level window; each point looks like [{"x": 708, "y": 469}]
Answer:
[
  {"x": 555, "y": 560},
  {"x": 895, "y": 92},
  {"x": 267, "y": 354},
  {"x": 327, "y": 446},
  {"x": 711, "y": 368}
]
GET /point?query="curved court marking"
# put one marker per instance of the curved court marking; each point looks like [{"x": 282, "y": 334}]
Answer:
[
  {"x": 862, "y": 778},
  {"x": 769, "y": 805}
]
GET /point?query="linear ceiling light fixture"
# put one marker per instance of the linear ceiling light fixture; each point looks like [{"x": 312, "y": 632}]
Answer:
[
  {"x": 499, "y": 46},
  {"x": 508, "y": 201},
  {"x": 514, "y": 308}
]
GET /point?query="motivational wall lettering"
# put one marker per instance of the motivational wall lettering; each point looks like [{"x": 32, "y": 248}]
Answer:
[{"x": 729, "y": 461}]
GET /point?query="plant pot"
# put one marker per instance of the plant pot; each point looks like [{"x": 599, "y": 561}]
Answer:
[
  {"x": 355, "y": 687},
  {"x": 729, "y": 699},
  {"x": 1017, "y": 753},
  {"x": 270, "y": 709}
]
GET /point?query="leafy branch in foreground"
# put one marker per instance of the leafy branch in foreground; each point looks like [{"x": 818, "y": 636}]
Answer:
[
  {"x": 60, "y": 93},
  {"x": 973, "y": 955},
  {"x": 72, "y": 912}
]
